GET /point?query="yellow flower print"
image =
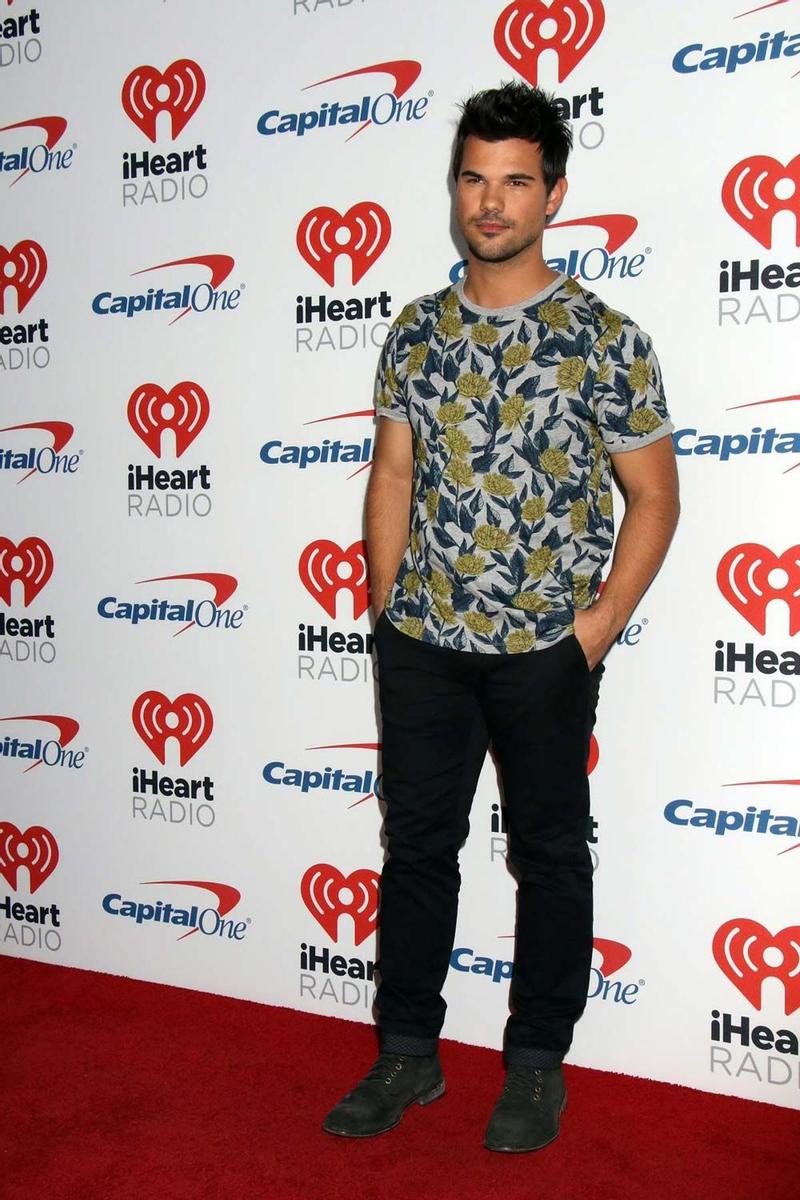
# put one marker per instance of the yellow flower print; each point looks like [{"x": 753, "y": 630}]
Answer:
[
  {"x": 580, "y": 590},
  {"x": 539, "y": 561},
  {"x": 431, "y": 503},
  {"x": 459, "y": 471},
  {"x": 384, "y": 399},
  {"x": 639, "y": 374},
  {"x": 440, "y": 584},
  {"x": 553, "y": 314},
  {"x": 530, "y": 602},
  {"x": 407, "y": 315},
  {"x": 411, "y": 582},
  {"x": 412, "y": 626},
  {"x": 606, "y": 504},
  {"x": 498, "y": 485},
  {"x": 444, "y": 609},
  {"x": 644, "y": 420},
  {"x": 478, "y": 622},
  {"x": 516, "y": 355},
  {"x": 570, "y": 373},
  {"x": 458, "y": 442},
  {"x": 451, "y": 413},
  {"x": 484, "y": 334},
  {"x": 512, "y": 410},
  {"x": 554, "y": 462},
  {"x": 391, "y": 379},
  {"x": 534, "y": 509},
  {"x": 450, "y": 324},
  {"x": 415, "y": 540},
  {"x": 489, "y": 537},
  {"x": 612, "y": 328},
  {"x": 470, "y": 564},
  {"x": 519, "y": 641},
  {"x": 470, "y": 384},
  {"x": 451, "y": 302},
  {"x": 416, "y": 357},
  {"x": 421, "y": 451},
  {"x": 578, "y": 516},
  {"x": 603, "y": 373},
  {"x": 571, "y": 286}
]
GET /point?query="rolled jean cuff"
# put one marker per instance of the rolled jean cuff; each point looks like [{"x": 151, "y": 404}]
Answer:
[
  {"x": 402, "y": 1043},
  {"x": 528, "y": 1056}
]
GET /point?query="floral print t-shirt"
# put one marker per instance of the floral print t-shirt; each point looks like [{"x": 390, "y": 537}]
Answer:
[{"x": 514, "y": 413}]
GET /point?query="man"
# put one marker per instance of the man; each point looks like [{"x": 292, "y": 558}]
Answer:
[{"x": 505, "y": 400}]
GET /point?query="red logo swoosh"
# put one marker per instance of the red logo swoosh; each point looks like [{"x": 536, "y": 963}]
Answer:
[
  {"x": 404, "y": 71},
  {"x": 67, "y": 730},
  {"x": 54, "y": 129},
  {"x": 60, "y": 431},
  {"x": 227, "y": 897},
  {"x": 224, "y": 586},
  {"x": 220, "y": 266},
  {"x": 618, "y": 227}
]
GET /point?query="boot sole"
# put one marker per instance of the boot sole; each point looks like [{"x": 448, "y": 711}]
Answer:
[
  {"x": 425, "y": 1098},
  {"x": 529, "y": 1149}
]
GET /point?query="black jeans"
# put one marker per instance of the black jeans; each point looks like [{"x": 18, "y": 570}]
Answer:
[{"x": 440, "y": 708}]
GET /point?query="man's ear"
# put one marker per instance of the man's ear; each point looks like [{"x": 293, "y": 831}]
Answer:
[{"x": 556, "y": 196}]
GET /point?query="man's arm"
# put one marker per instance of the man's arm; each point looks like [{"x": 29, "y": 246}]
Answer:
[
  {"x": 649, "y": 480},
  {"x": 388, "y": 506}
]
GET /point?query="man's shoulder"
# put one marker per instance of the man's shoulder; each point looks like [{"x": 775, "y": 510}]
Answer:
[
  {"x": 419, "y": 310},
  {"x": 609, "y": 323}
]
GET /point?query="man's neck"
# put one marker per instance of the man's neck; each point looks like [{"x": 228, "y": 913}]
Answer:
[{"x": 503, "y": 284}]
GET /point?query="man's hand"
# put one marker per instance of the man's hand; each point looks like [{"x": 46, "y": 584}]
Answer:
[
  {"x": 594, "y": 633},
  {"x": 649, "y": 480}
]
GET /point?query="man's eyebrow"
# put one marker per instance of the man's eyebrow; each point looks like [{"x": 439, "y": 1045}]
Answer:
[{"x": 521, "y": 175}]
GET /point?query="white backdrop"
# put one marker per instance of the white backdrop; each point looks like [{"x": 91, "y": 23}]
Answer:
[{"x": 274, "y": 837}]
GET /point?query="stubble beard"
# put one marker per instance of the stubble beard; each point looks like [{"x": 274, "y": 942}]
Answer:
[{"x": 490, "y": 252}]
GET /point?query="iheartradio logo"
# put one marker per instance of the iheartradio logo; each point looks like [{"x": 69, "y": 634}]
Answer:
[
  {"x": 29, "y": 563},
  {"x": 179, "y": 91},
  {"x": 362, "y": 234},
  {"x": 759, "y": 187},
  {"x": 329, "y": 895},
  {"x": 750, "y": 576},
  {"x": 183, "y": 409},
  {"x": 36, "y": 849},
  {"x": 23, "y": 268},
  {"x": 188, "y": 719},
  {"x": 747, "y": 954},
  {"x": 527, "y": 27},
  {"x": 326, "y": 569}
]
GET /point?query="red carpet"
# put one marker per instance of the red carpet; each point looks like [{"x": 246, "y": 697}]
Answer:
[{"x": 118, "y": 1090}]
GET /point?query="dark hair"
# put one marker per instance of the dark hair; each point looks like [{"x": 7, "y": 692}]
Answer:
[{"x": 515, "y": 110}]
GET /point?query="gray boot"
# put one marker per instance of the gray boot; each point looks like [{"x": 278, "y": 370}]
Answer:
[
  {"x": 378, "y": 1102},
  {"x": 526, "y": 1117}
]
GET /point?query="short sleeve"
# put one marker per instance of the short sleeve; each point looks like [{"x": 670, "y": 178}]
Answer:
[
  {"x": 629, "y": 394},
  {"x": 390, "y": 400}
]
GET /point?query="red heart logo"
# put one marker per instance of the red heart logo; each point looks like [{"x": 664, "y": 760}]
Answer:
[
  {"x": 325, "y": 570},
  {"x": 184, "y": 409},
  {"x": 745, "y": 578},
  {"x": 527, "y": 27},
  {"x": 31, "y": 562},
  {"x": 748, "y": 195},
  {"x": 740, "y": 949},
  {"x": 28, "y": 263},
  {"x": 181, "y": 87},
  {"x": 362, "y": 234},
  {"x": 35, "y": 849},
  {"x": 328, "y": 894},
  {"x": 187, "y": 718}
]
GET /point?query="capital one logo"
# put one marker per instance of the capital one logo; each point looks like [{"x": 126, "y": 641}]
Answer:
[
  {"x": 29, "y": 563},
  {"x": 750, "y": 576},
  {"x": 329, "y": 895},
  {"x": 747, "y": 954},
  {"x": 188, "y": 719},
  {"x": 527, "y": 27},
  {"x": 53, "y": 129},
  {"x": 183, "y": 409},
  {"x": 36, "y": 849},
  {"x": 759, "y": 187},
  {"x": 326, "y": 569},
  {"x": 361, "y": 234},
  {"x": 22, "y": 268},
  {"x": 179, "y": 91},
  {"x": 613, "y": 956}
]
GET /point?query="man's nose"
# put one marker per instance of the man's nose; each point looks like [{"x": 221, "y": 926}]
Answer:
[{"x": 492, "y": 199}]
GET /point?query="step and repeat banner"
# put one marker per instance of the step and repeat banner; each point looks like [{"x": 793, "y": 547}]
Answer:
[{"x": 210, "y": 217}]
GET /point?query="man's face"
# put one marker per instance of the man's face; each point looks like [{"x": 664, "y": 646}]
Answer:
[{"x": 501, "y": 198}]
